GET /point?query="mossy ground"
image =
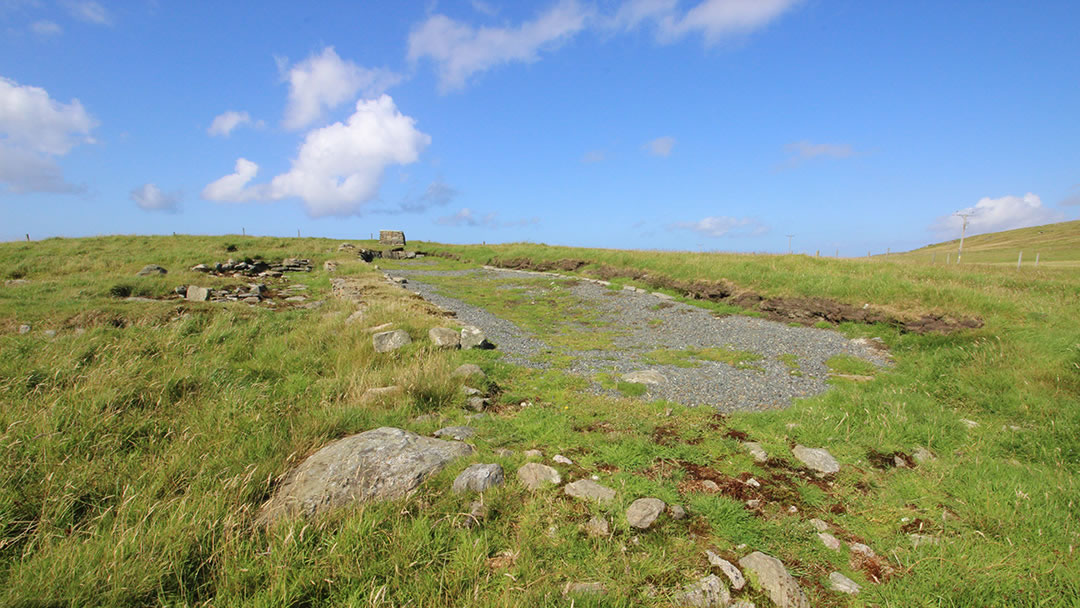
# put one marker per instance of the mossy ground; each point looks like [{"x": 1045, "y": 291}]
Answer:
[{"x": 136, "y": 452}]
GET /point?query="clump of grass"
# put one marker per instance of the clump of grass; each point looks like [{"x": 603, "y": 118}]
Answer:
[
  {"x": 692, "y": 357},
  {"x": 792, "y": 362},
  {"x": 849, "y": 365},
  {"x": 612, "y": 382},
  {"x": 121, "y": 290}
]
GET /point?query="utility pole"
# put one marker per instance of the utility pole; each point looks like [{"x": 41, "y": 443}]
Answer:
[
  {"x": 789, "y": 242},
  {"x": 963, "y": 230}
]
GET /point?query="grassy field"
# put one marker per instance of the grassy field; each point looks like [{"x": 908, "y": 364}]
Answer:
[
  {"x": 1057, "y": 245},
  {"x": 140, "y": 439}
]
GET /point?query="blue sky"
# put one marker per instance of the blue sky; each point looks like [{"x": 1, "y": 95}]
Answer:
[{"x": 652, "y": 124}]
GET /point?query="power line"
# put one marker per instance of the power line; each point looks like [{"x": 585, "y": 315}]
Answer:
[
  {"x": 789, "y": 242},
  {"x": 963, "y": 230}
]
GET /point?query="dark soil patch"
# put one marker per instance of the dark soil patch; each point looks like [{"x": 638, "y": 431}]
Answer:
[
  {"x": 884, "y": 461},
  {"x": 805, "y": 311},
  {"x": 916, "y": 526},
  {"x": 665, "y": 434},
  {"x": 736, "y": 435},
  {"x": 875, "y": 568}
]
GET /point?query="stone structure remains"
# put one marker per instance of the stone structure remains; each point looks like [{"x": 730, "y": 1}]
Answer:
[{"x": 392, "y": 238}]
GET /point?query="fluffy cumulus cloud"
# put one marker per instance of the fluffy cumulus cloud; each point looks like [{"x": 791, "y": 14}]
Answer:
[
  {"x": 338, "y": 168},
  {"x": 225, "y": 122},
  {"x": 661, "y": 146},
  {"x": 996, "y": 214},
  {"x": 721, "y": 226},
  {"x": 88, "y": 11},
  {"x": 34, "y": 130},
  {"x": 466, "y": 217},
  {"x": 460, "y": 50},
  {"x": 150, "y": 198},
  {"x": 715, "y": 20},
  {"x": 325, "y": 81}
]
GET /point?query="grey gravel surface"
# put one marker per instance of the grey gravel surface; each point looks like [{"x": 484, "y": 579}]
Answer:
[{"x": 644, "y": 322}]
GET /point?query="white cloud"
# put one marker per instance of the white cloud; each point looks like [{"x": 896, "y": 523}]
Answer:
[
  {"x": 46, "y": 28},
  {"x": 338, "y": 168},
  {"x": 34, "y": 130},
  {"x": 225, "y": 122},
  {"x": 437, "y": 194},
  {"x": 460, "y": 50},
  {"x": 714, "y": 19},
  {"x": 88, "y": 11},
  {"x": 151, "y": 198},
  {"x": 484, "y": 7},
  {"x": 721, "y": 226},
  {"x": 323, "y": 82},
  {"x": 466, "y": 217},
  {"x": 661, "y": 146},
  {"x": 996, "y": 214}
]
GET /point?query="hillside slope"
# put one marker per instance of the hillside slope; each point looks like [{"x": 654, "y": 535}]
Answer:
[{"x": 1056, "y": 244}]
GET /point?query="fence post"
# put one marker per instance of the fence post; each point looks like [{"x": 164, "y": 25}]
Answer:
[
  {"x": 1019, "y": 258},
  {"x": 948, "y": 259},
  {"x": 1036, "y": 259},
  {"x": 27, "y": 237},
  {"x": 817, "y": 254}
]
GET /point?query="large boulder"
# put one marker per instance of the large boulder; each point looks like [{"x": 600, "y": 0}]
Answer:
[
  {"x": 195, "y": 293},
  {"x": 769, "y": 574},
  {"x": 444, "y": 337},
  {"x": 474, "y": 337},
  {"x": 386, "y": 341},
  {"x": 379, "y": 464}
]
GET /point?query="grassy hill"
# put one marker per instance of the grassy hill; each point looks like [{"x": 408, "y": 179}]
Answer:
[
  {"x": 1056, "y": 245},
  {"x": 139, "y": 435}
]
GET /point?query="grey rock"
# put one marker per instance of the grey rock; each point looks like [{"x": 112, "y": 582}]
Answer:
[
  {"x": 923, "y": 455},
  {"x": 843, "y": 584},
  {"x": 769, "y": 574},
  {"x": 197, "y": 294},
  {"x": 588, "y": 489},
  {"x": 304, "y": 298},
  {"x": 583, "y": 589},
  {"x": 644, "y": 511},
  {"x": 461, "y": 433},
  {"x": 354, "y": 317},
  {"x": 476, "y": 404},
  {"x": 151, "y": 270},
  {"x": 468, "y": 370},
  {"x": 379, "y": 464},
  {"x": 862, "y": 549},
  {"x": 730, "y": 571},
  {"x": 597, "y": 526},
  {"x": 386, "y": 341},
  {"x": 817, "y": 459},
  {"x": 756, "y": 451},
  {"x": 474, "y": 337},
  {"x": 969, "y": 423},
  {"x": 830, "y": 541},
  {"x": 392, "y": 238},
  {"x": 534, "y": 475},
  {"x": 677, "y": 512},
  {"x": 25, "y": 328},
  {"x": 15, "y": 282},
  {"x": 444, "y": 337},
  {"x": 709, "y": 592},
  {"x": 49, "y": 333},
  {"x": 819, "y": 525},
  {"x": 377, "y": 394},
  {"x": 646, "y": 376},
  {"x": 559, "y": 458},
  {"x": 742, "y": 604},
  {"x": 471, "y": 392},
  {"x": 710, "y": 485},
  {"x": 919, "y": 540},
  {"x": 479, "y": 477},
  {"x": 530, "y": 454}
]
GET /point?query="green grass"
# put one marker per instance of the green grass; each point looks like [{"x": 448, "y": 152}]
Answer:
[
  {"x": 791, "y": 361},
  {"x": 692, "y": 357},
  {"x": 846, "y": 364},
  {"x": 137, "y": 445},
  {"x": 612, "y": 382},
  {"x": 1057, "y": 245}
]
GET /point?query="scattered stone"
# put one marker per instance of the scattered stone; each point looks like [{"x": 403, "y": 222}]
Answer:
[
  {"x": 969, "y": 423},
  {"x": 470, "y": 391},
  {"x": 354, "y": 317},
  {"x": 756, "y": 451},
  {"x": 479, "y": 477},
  {"x": 330, "y": 266},
  {"x": 559, "y": 458},
  {"x": 818, "y": 459},
  {"x": 830, "y": 541},
  {"x": 588, "y": 489},
  {"x": 468, "y": 370},
  {"x": 709, "y": 592},
  {"x": 645, "y": 376},
  {"x": 423, "y": 418},
  {"x": 504, "y": 453},
  {"x": 844, "y": 584},
  {"x": 479, "y": 416},
  {"x": 151, "y": 270},
  {"x": 769, "y": 573},
  {"x": 819, "y": 525},
  {"x": 461, "y": 433},
  {"x": 662, "y": 296},
  {"x": 444, "y": 337},
  {"x": 15, "y": 282},
  {"x": 710, "y": 485},
  {"x": 583, "y": 589},
  {"x": 379, "y": 464},
  {"x": 533, "y": 454},
  {"x": 25, "y": 328},
  {"x": 195, "y": 293},
  {"x": 793, "y": 510},
  {"x": 923, "y": 455},
  {"x": 753, "y": 503},
  {"x": 753, "y": 483},
  {"x": 730, "y": 571},
  {"x": 392, "y": 238},
  {"x": 377, "y": 394},
  {"x": 304, "y": 298},
  {"x": 474, "y": 337},
  {"x": 49, "y": 333},
  {"x": 677, "y": 512},
  {"x": 919, "y": 540},
  {"x": 644, "y": 511},
  {"x": 862, "y": 549},
  {"x": 534, "y": 475},
  {"x": 346, "y": 247},
  {"x": 386, "y": 341},
  {"x": 476, "y": 404},
  {"x": 742, "y": 604},
  {"x": 597, "y": 526}
]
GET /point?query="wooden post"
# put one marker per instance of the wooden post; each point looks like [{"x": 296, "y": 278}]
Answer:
[
  {"x": 297, "y": 233},
  {"x": 1036, "y": 259},
  {"x": 243, "y": 231},
  {"x": 28, "y": 237},
  {"x": 1019, "y": 259}
]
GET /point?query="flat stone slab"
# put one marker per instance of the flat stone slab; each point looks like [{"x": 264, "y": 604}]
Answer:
[
  {"x": 769, "y": 574},
  {"x": 151, "y": 270},
  {"x": 645, "y": 376},
  {"x": 644, "y": 511},
  {"x": 729, "y": 569},
  {"x": 534, "y": 475},
  {"x": 197, "y": 294},
  {"x": 589, "y": 490},
  {"x": 843, "y": 584},
  {"x": 386, "y": 341},
  {"x": 380, "y": 464},
  {"x": 818, "y": 459},
  {"x": 756, "y": 451}
]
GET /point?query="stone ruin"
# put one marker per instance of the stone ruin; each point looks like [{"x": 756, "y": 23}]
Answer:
[
  {"x": 255, "y": 268},
  {"x": 392, "y": 238}
]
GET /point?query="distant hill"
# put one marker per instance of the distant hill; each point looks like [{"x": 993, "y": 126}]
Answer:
[{"x": 1056, "y": 244}]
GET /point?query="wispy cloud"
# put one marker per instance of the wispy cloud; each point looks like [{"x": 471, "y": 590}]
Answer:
[
  {"x": 723, "y": 226},
  {"x": 996, "y": 214},
  {"x": 715, "y": 20},
  {"x": 466, "y": 217},
  {"x": 224, "y": 123},
  {"x": 46, "y": 28},
  {"x": 88, "y": 11},
  {"x": 661, "y": 146},
  {"x": 150, "y": 198}
]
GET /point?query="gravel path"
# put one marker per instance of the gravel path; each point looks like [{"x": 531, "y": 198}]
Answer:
[{"x": 646, "y": 322}]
